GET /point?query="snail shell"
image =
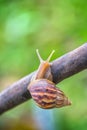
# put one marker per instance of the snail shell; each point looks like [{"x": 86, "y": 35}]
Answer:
[{"x": 46, "y": 95}]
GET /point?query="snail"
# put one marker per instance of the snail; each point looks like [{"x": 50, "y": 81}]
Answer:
[{"x": 42, "y": 88}]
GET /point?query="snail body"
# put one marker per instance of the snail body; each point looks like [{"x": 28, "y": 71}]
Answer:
[{"x": 42, "y": 89}]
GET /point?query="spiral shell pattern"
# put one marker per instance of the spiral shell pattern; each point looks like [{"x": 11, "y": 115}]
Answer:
[{"x": 46, "y": 95}]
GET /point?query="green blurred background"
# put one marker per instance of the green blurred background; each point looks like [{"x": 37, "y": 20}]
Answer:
[{"x": 26, "y": 25}]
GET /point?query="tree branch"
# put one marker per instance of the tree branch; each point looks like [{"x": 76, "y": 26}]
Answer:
[{"x": 63, "y": 67}]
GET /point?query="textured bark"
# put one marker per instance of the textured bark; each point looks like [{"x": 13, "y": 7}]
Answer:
[{"x": 63, "y": 67}]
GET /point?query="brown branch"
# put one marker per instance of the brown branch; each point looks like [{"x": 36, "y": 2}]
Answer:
[{"x": 63, "y": 67}]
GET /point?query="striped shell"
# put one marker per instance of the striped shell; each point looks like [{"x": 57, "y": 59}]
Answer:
[{"x": 46, "y": 95}]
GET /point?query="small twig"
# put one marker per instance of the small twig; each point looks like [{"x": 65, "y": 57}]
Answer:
[{"x": 63, "y": 67}]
